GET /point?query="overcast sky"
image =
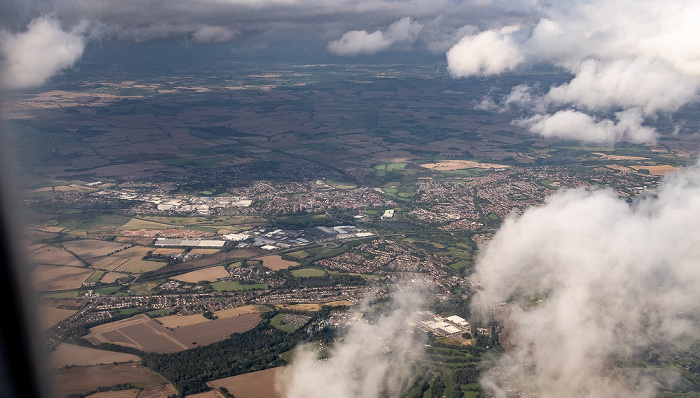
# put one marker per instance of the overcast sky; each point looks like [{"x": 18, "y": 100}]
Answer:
[{"x": 632, "y": 60}]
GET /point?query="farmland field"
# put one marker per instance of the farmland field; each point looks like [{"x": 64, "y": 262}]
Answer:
[
  {"x": 138, "y": 266},
  {"x": 175, "y": 321},
  {"x": 89, "y": 248},
  {"x": 261, "y": 384},
  {"x": 276, "y": 263},
  {"x": 53, "y": 256},
  {"x": 80, "y": 380},
  {"x": 207, "y": 274},
  {"x": 207, "y": 394},
  {"x": 145, "y": 334},
  {"x": 49, "y": 314},
  {"x": 75, "y": 355},
  {"x": 50, "y": 277}
]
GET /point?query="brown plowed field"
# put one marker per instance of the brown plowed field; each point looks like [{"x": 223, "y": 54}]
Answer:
[
  {"x": 210, "y": 274},
  {"x": 83, "y": 379},
  {"x": 276, "y": 263},
  {"x": 260, "y": 384},
  {"x": 75, "y": 355}
]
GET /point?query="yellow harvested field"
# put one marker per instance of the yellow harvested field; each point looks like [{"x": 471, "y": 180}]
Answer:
[
  {"x": 656, "y": 170},
  {"x": 276, "y": 263},
  {"x": 261, "y": 384},
  {"x": 49, "y": 314},
  {"x": 145, "y": 334},
  {"x": 339, "y": 303},
  {"x": 90, "y": 248},
  {"x": 138, "y": 266},
  {"x": 54, "y": 256},
  {"x": 300, "y": 307},
  {"x": 50, "y": 278},
  {"x": 131, "y": 393},
  {"x": 175, "y": 321},
  {"x": 111, "y": 277},
  {"x": 210, "y": 274},
  {"x": 246, "y": 309},
  {"x": 75, "y": 355},
  {"x": 619, "y": 157},
  {"x": 108, "y": 263},
  {"x": 204, "y": 251},
  {"x": 208, "y": 394},
  {"x": 461, "y": 164}
]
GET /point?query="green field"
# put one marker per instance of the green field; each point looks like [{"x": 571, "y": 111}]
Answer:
[
  {"x": 95, "y": 276},
  {"x": 235, "y": 286},
  {"x": 308, "y": 272},
  {"x": 278, "y": 322}
]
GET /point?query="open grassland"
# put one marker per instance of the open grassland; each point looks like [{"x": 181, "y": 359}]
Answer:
[
  {"x": 167, "y": 251},
  {"x": 52, "y": 255},
  {"x": 210, "y": 274},
  {"x": 308, "y": 272},
  {"x": 111, "y": 277},
  {"x": 276, "y": 263},
  {"x": 75, "y": 355},
  {"x": 49, "y": 314},
  {"x": 261, "y": 384},
  {"x": 299, "y": 307},
  {"x": 146, "y": 334},
  {"x": 204, "y": 251},
  {"x": 95, "y": 276},
  {"x": 246, "y": 309},
  {"x": 83, "y": 379},
  {"x": 137, "y": 224},
  {"x": 301, "y": 254},
  {"x": 145, "y": 288},
  {"x": 235, "y": 286},
  {"x": 51, "y": 278},
  {"x": 90, "y": 248}
]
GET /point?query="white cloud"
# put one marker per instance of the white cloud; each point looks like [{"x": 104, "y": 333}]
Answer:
[
  {"x": 624, "y": 54},
  {"x": 572, "y": 124},
  {"x": 214, "y": 34},
  {"x": 652, "y": 86},
  {"x": 372, "y": 359},
  {"x": 356, "y": 42},
  {"x": 486, "y": 53},
  {"x": 612, "y": 276},
  {"x": 31, "y": 57}
]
